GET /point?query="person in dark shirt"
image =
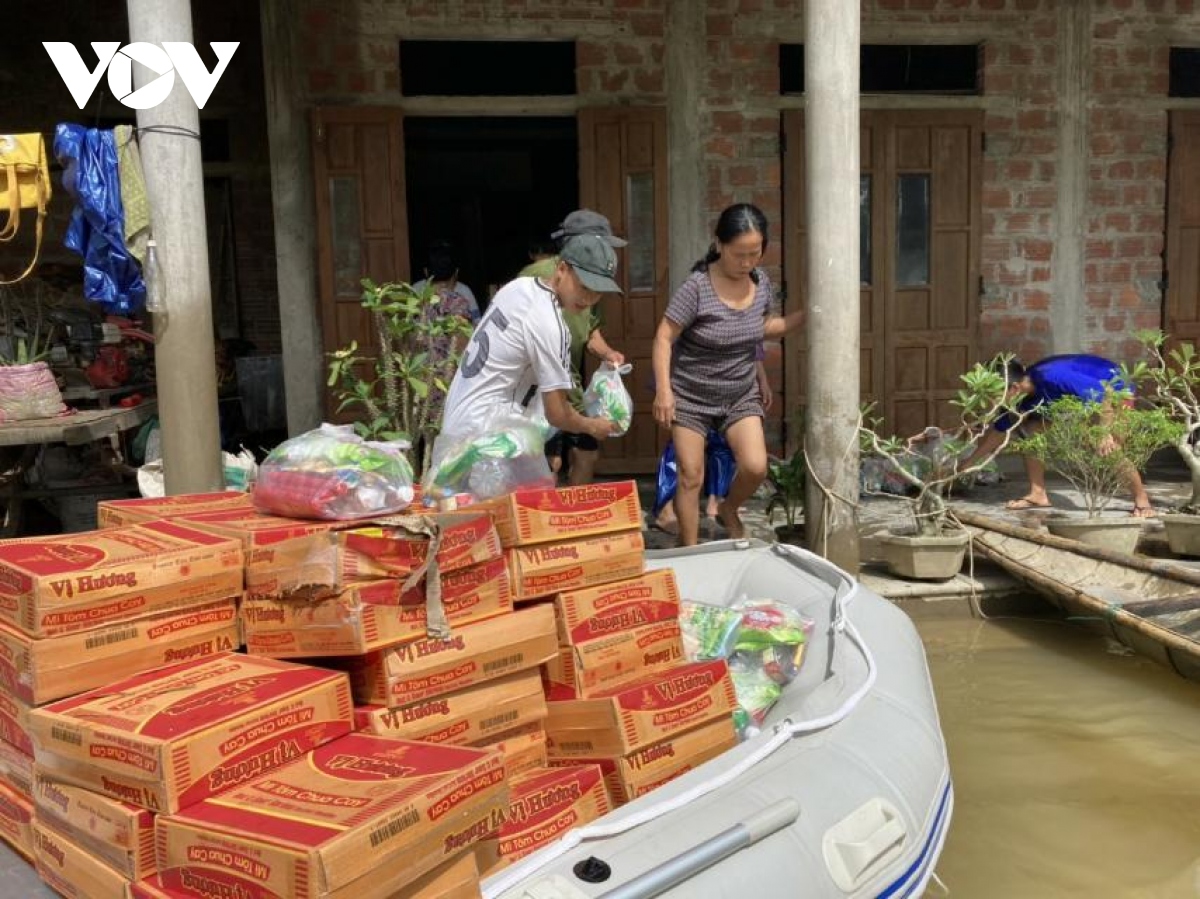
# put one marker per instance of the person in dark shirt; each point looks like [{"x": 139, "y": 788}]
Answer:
[{"x": 1080, "y": 375}]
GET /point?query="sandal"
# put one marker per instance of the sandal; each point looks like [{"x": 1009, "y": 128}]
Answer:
[
  {"x": 1143, "y": 512},
  {"x": 1024, "y": 504}
]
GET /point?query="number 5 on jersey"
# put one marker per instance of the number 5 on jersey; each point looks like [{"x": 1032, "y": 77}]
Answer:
[{"x": 476, "y": 356}]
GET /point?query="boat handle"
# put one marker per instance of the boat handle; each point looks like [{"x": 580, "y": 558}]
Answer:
[{"x": 861, "y": 841}]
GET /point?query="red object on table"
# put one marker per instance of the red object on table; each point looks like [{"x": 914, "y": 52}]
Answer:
[{"x": 109, "y": 369}]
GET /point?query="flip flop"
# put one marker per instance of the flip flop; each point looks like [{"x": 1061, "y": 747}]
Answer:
[
  {"x": 1025, "y": 504},
  {"x": 1143, "y": 512}
]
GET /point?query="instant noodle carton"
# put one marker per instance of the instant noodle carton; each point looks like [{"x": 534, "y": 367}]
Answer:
[
  {"x": 363, "y": 808},
  {"x": 77, "y": 582},
  {"x": 547, "y": 514},
  {"x": 172, "y": 737},
  {"x": 543, "y": 806},
  {"x": 601, "y": 611},
  {"x": 117, "y": 833},
  {"x": 523, "y": 749},
  {"x": 116, "y": 513},
  {"x": 551, "y": 568},
  {"x": 647, "y": 711},
  {"x": 456, "y": 879},
  {"x": 589, "y": 669},
  {"x": 42, "y": 670},
  {"x": 373, "y": 615},
  {"x": 465, "y": 717},
  {"x": 324, "y": 566},
  {"x": 16, "y": 821},
  {"x": 73, "y": 871},
  {"x": 637, "y": 773},
  {"x": 475, "y": 653},
  {"x": 16, "y": 769},
  {"x": 14, "y": 722}
]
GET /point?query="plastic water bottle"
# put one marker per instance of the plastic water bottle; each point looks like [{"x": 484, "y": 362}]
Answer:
[{"x": 156, "y": 289}]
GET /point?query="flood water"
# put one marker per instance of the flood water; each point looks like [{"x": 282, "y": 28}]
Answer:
[{"x": 1076, "y": 768}]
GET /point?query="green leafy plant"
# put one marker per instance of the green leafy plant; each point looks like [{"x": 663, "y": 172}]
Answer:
[
  {"x": 787, "y": 479},
  {"x": 24, "y": 327},
  {"x": 1173, "y": 379},
  {"x": 1097, "y": 444},
  {"x": 398, "y": 390},
  {"x": 930, "y": 463}
]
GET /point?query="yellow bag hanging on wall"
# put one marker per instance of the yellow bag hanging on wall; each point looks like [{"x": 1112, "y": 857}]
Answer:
[{"x": 24, "y": 184}]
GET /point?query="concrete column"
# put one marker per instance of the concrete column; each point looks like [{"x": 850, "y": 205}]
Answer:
[
  {"x": 294, "y": 205},
  {"x": 831, "y": 127},
  {"x": 686, "y": 63},
  {"x": 1074, "y": 75},
  {"x": 185, "y": 360}
]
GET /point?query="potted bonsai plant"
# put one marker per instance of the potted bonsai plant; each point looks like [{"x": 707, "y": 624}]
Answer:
[
  {"x": 786, "y": 479},
  {"x": 1096, "y": 444},
  {"x": 398, "y": 388},
  {"x": 1172, "y": 380},
  {"x": 933, "y": 546}
]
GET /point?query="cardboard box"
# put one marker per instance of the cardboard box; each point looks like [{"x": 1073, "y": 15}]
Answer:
[
  {"x": 572, "y": 565},
  {"x": 644, "y": 712},
  {"x": 14, "y": 722},
  {"x": 329, "y": 565},
  {"x": 42, "y": 670},
  {"x": 475, "y": 653},
  {"x": 119, "y": 834},
  {"x": 76, "y": 582},
  {"x": 456, "y": 879},
  {"x": 314, "y": 827},
  {"x": 116, "y": 513},
  {"x": 463, "y": 718},
  {"x": 589, "y": 669},
  {"x": 71, "y": 870},
  {"x": 16, "y": 769},
  {"x": 544, "y": 515},
  {"x": 523, "y": 749},
  {"x": 16, "y": 821},
  {"x": 543, "y": 805},
  {"x": 639, "y": 772},
  {"x": 168, "y": 738},
  {"x": 600, "y": 611},
  {"x": 370, "y": 616}
]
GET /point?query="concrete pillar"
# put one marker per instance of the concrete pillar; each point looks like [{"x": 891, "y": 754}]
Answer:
[
  {"x": 686, "y": 63},
  {"x": 831, "y": 128},
  {"x": 185, "y": 360},
  {"x": 294, "y": 205},
  {"x": 1074, "y": 75}
]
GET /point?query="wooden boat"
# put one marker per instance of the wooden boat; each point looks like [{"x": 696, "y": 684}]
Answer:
[
  {"x": 845, "y": 793},
  {"x": 1150, "y": 605}
]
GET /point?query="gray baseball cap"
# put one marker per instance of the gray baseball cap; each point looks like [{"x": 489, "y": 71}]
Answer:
[
  {"x": 585, "y": 221},
  {"x": 593, "y": 260}
]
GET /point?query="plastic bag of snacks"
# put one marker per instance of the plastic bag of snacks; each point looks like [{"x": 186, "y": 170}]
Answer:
[
  {"x": 606, "y": 397},
  {"x": 767, "y": 654},
  {"x": 709, "y": 632},
  {"x": 508, "y": 453},
  {"x": 331, "y": 473}
]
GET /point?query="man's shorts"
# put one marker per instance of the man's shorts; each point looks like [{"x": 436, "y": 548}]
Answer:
[
  {"x": 716, "y": 415},
  {"x": 561, "y": 443}
]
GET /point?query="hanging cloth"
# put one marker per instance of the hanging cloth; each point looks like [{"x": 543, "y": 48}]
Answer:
[
  {"x": 111, "y": 276},
  {"x": 134, "y": 198}
]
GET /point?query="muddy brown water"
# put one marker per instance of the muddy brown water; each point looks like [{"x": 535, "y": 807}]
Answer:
[{"x": 1076, "y": 765}]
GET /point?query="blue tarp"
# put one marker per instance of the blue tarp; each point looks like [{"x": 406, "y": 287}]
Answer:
[{"x": 111, "y": 276}]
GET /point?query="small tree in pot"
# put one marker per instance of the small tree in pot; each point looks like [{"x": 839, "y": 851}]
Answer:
[
  {"x": 1098, "y": 445},
  {"x": 929, "y": 465}
]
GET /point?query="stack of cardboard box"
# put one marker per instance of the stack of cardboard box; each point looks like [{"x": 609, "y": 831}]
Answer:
[
  {"x": 81, "y": 610},
  {"x": 116, "y": 513}
]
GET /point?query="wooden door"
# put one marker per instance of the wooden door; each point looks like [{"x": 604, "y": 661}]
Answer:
[
  {"x": 919, "y": 210},
  {"x": 1182, "y": 318},
  {"x": 623, "y": 174},
  {"x": 362, "y": 224}
]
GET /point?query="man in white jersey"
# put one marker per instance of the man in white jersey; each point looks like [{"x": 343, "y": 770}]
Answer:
[{"x": 520, "y": 350}]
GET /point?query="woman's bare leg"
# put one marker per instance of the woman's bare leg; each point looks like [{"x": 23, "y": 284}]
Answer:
[
  {"x": 689, "y": 462},
  {"x": 749, "y": 445}
]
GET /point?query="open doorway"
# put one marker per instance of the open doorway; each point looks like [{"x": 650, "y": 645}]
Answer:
[{"x": 487, "y": 185}]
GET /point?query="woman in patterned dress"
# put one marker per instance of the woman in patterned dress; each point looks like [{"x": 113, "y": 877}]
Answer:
[{"x": 704, "y": 365}]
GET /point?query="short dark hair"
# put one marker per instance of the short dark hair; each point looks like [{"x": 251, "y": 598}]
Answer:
[
  {"x": 1014, "y": 371},
  {"x": 442, "y": 265}
]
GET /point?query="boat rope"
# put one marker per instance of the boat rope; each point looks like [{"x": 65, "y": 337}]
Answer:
[{"x": 779, "y": 736}]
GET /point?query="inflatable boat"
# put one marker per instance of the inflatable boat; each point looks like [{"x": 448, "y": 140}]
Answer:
[{"x": 845, "y": 792}]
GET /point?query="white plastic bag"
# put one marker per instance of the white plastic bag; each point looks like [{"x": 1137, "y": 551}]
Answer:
[
  {"x": 507, "y": 452},
  {"x": 606, "y": 397}
]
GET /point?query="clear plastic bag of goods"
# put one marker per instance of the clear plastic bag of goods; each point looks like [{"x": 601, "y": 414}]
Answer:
[
  {"x": 606, "y": 397},
  {"x": 767, "y": 654},
  {"x": 709, "y": 631},
  {"x": 331, "y": 473},
  {"x": 506, "y": 454}
]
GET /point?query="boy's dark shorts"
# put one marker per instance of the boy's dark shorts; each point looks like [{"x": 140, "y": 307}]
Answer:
[{"x": 561, "y": 443}]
